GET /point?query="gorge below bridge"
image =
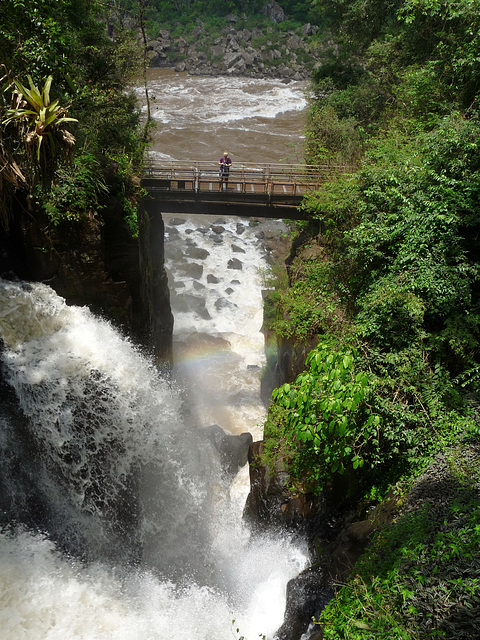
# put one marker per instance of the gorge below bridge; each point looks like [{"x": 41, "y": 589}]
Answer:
[
  {"x": 263, "y": 191},
  {"x": 259, "y": 191}
]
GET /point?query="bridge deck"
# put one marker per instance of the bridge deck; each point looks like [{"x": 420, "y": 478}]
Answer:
[{"x": 260, "y": 190}]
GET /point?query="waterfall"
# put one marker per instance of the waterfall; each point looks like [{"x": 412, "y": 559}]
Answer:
[{"x": 117, "y": 521}]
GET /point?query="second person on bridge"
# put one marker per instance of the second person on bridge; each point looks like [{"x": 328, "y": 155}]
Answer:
[{"x": 225, "y": 164}]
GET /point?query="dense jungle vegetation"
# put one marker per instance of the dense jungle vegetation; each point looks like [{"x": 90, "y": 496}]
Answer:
[
  {"x": 73, "y": 139},
  {"x": 386, "y": 283},
  {"x": 183, "y": 15}
]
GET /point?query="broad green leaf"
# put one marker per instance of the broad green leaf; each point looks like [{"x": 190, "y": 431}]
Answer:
[
  {"x": 347, "y": 361},
  {"x": 46, "y": 91}
]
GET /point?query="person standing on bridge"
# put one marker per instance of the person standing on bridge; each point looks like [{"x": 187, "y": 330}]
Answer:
[{"x": 225, "y": 164}]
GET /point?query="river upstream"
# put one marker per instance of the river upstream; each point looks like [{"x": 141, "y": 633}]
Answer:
[{"x": 138, "y": 532}]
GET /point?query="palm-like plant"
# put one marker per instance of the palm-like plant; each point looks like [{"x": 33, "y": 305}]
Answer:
[{"x": 42, "y": 122}]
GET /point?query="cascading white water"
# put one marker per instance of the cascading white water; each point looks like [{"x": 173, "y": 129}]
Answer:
[
  {"x": 139, "y": 536},
  {"x": 218, "y": 310}
]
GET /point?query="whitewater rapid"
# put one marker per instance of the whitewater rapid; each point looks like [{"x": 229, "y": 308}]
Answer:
[
  {"x": 198, "y": 117},
  {"x": 98, "y": 415}
]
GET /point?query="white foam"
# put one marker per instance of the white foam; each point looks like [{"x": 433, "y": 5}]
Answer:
[{"x": 80, "y": 383}]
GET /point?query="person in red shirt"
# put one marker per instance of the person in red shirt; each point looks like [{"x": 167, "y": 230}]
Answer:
[{"x": 225, "y": 164}]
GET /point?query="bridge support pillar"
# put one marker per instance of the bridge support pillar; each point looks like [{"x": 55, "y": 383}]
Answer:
[{"x": 155, "y": 292}]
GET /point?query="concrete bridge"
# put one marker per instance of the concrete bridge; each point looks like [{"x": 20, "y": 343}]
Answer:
[{"x": 266, "y": 190}]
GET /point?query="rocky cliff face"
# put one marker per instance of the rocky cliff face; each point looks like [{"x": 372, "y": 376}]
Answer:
[{"x": 237, "y": 51}]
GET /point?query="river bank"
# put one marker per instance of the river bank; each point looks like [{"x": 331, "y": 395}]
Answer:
[{"x": 235, "y": 50}]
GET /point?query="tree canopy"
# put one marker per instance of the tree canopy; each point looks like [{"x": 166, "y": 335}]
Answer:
[{"x": 64, "y": 44}]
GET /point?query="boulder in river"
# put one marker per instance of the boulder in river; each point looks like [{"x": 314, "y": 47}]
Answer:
[
  {"x": 233, "y": 450},
  {"x": 234, "y": 263},
  {"x": 191, "y": 270},
  {"x": 197, "y": 253}
]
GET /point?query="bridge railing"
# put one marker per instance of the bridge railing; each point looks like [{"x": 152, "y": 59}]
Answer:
[{"x": 194, "y": 171}]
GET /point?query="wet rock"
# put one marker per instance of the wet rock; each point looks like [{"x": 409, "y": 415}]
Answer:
[
  {"x": 234, "y": 263},
  {"x": 172, "y": 231},
  {"x": 197, "y": 253},
  {"x": 176, "y": 222},
  {"x": 233, "y": 450},
  {"x": 217, "y": 228},
  {"x": 217, "y": 239},
  {"x": 192, "y": 270},
  {"x": 222, "y": 303},
  {"x": 269, "y": 259},
  {"x": 198, "y": 285},
  {"x": 187, "y": 302},
  {"x": 229, "y": 291},
  {"x": 203, "y": 313},
  {"x": 270, "y": 502},
  {"x": 237, "y": 249},
  {"x": 305, "y": 595},
  {"x": 211, "y": 279},
  {"x": 173, "y": 252},
  {"x": 235, "y": 282}
]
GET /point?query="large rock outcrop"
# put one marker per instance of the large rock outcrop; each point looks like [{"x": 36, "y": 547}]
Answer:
[{"x": 238, "y": 51}]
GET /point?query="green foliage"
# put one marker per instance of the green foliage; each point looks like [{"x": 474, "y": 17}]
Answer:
[
  {"x": 415, "y": 249},
  {"x": 354, "y": 408},
  {"x": 41, "y": 122},
  {"x": 419, "y": 578},
  {"x": 66, "y": 40},
  {"x": 185, "y": 13},
  {"x": 336, "y": 205},
  {"x": 393, "y": 274},
  {"x": 448, "y": 33},
  {"x": 331, "y": 139},
  {"x": 326, "y": 410},
  {"x": 56, "y": 37},
  {"x": 76, "y": 190},
  {"x": 126, "y": 188},
  {"x": 110, "y": 122},
  {"x": 309, "y": 306}
]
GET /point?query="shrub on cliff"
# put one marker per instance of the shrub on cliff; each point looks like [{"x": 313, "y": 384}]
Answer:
[{"x": 358, "y": 413}]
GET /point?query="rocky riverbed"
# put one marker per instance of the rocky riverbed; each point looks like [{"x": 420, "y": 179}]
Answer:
[{"x": 238, "y": 51}]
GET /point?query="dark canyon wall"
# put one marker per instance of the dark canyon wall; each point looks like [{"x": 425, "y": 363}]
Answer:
[{"x": 95, "y": 262}]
